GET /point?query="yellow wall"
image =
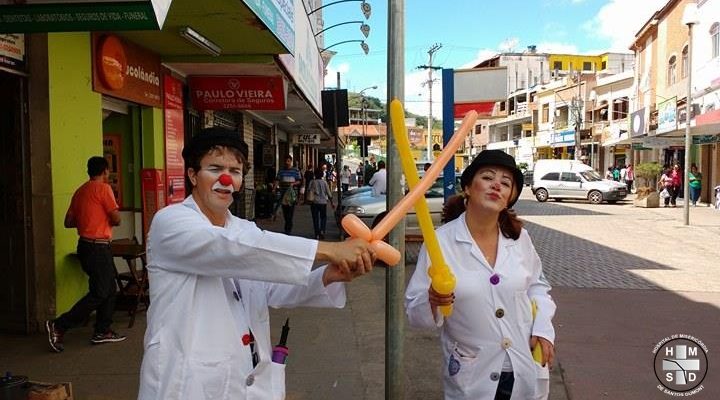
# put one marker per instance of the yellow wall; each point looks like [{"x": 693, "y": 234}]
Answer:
[
  {"x": 576, "y": 60},
  {"x": 75, "y": 135}
]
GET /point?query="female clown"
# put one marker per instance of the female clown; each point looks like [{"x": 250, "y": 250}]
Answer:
[{"x": 487, "y": 340}]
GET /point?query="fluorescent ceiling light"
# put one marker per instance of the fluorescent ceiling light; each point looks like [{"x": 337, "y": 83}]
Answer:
[
  {"x": 200, "y": 41},
  {"x": 289, "y": 118}
]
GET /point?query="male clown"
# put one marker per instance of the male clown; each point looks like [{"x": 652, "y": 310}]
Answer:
[{"x": 212, "y": 277}]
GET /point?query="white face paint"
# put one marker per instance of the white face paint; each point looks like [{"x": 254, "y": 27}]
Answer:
[{"x": 219, "y": 187}]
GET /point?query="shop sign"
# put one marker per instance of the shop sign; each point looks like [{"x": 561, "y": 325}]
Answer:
[
  {"x": 174, "y": 140},
  {"x": 237, "y": 92},
  {"x": 667, "y": 115},
  {"x": 709, "y": 117},
  {"x": 124, "y": 70},
  {"x": 662, "y": 142},
  {"x": 279, "y": 17},
  {"x": 12, "y": 51},
  {"x": 307, "y": 138},
  {"x": 564, "y": 138},
  {"x": 268, "y": 155},
  {"x": 527, "y": 127},
  {"x": 706, "y": 139},
  {"x": 80, "y": 16}
]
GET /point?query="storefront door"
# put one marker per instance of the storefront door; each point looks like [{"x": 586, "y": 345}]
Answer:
[{"x": 14, "y": 194}]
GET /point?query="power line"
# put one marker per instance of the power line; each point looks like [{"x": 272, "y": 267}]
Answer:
[{"x": 430, "y": 68}]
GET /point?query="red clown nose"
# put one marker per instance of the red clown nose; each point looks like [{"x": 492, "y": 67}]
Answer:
[{"x": 225, "y": 180}]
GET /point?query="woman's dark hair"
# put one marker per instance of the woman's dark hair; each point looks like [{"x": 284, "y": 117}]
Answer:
[
  {"x": 319, "y": 174},
  {"x": 510, "y": 224}
]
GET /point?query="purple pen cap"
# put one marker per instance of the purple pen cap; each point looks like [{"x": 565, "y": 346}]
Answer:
[{"x": 279, "y": 354}]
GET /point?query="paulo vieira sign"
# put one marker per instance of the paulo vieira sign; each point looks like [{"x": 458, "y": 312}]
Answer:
[{"x": 237, "y": 92}]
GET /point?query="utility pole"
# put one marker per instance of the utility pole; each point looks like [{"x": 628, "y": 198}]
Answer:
[
  {"x": 578, "y": 118},
  {"x": 429, "y": 82},
  {"x": 395, "y": 276}
]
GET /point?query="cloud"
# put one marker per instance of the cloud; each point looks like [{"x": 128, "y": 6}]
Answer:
[
  {"x": 619, "y": 20},
  {"x": 331, "y": 76}
]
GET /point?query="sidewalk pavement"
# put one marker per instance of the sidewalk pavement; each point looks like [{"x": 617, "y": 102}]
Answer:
[{"x": 611, "y": 313}]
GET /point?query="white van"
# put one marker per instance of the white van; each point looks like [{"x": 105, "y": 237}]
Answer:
[{"x": 571, "y": 179}]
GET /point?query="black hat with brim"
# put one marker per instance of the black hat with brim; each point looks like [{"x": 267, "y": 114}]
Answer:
[
  {"x": 495, "y": 158},
  {"x": 210, "y": 137}
]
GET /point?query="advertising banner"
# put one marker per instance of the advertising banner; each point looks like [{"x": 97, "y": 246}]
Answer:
[
  {"x": 667, "y": 115},
  {"x": 279, "y": 17},
  {"x": 174, "y": 140},
  {"x": 637, "y": 123},
  {"x": 81, "y": 15},
  {"x": 12, "y": 51},
  {"x": 237, "y": 92},
  {"x": 124, "y": 70},
  {"x": 305, "y": 64}
]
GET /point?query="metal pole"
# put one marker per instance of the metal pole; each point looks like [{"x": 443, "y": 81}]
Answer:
[
  {"x": 395, "y": 276},
  {"x": 578, "y": 119},
  {"x": 688, "y": 138},
  {"x": 363, "y": 148}
]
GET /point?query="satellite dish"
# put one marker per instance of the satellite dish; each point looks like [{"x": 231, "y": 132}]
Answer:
[{"x": 365, "y": 29}]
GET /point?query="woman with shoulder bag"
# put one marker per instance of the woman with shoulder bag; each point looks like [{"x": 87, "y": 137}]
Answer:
[{"x": 318, "y": 195}]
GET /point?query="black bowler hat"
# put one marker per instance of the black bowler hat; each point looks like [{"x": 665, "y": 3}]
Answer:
[
  {"x": 497, "y": 158},
  {"x": 209, "y": 137}
]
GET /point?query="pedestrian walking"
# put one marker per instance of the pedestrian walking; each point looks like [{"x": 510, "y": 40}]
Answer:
[
  {"x": 287, "y": 184},
  {"x": 676, "y": 176},
  {"x": 212, "y": 277},
  {"x": 321, "y": 196},
  {"x": 486, "y": 343},
  {"x": 93, "y": 212},
  {"x": 609, "y": 174},
  {"x": 379, "y": 180},
  {"x": 359, "y": 174},
  {"x": 629, "y": 177},
  {"x": 345, "y": 178},
  {"x": 666, "y": 187},
  {"x": 695, "y": 182}
]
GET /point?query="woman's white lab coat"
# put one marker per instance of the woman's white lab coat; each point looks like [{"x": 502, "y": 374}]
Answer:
[
  {"x": 488, "y": 320},
  {"x": 193, "y": 343}
]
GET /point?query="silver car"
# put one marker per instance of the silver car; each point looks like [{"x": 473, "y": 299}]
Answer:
[
  {"x": 367, "y": 207},
  {"x": 586, "y": 184}
]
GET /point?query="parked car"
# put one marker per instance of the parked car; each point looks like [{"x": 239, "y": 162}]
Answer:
[
  {"x": 367, "y": 207},
  {"x": 571, "y": 179}
]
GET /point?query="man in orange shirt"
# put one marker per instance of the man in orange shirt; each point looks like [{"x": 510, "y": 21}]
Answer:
[{"x": 93, "y": 211}]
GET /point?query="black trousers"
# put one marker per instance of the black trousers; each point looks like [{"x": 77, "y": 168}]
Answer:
[
  {"x": 288, "y": 212},
  {"x": 505, "y": 386},
  {"x": 97, "y": 261}
]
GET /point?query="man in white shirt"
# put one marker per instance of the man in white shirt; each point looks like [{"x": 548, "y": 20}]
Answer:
[
  {"x": 379, "y": 180},
  {"x": 212, "y": 277}
]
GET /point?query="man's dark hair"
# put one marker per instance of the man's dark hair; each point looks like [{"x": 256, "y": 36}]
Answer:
[
  {"x": 212, "y": 139},
  {"x": 381, "y": 164},
  {"x": 96, "y": 166}
]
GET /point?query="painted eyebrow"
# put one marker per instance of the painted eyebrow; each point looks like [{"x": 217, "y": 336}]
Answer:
[{"x": 486, "y": 169}]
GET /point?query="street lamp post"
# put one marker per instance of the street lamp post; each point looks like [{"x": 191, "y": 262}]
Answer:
[
  {"x": 363, "y": 105},
  {"x": 690, "y": 18}
]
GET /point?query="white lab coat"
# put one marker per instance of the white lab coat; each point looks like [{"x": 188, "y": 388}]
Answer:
[
  {"x": 195, "y": 324},
  {"x": 473, "y": 335}
]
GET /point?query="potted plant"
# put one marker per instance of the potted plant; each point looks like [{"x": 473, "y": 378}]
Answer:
[{"x": 646, "y": 175}]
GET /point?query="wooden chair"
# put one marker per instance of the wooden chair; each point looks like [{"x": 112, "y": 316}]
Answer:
[{"x": 132, "y": 285}]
